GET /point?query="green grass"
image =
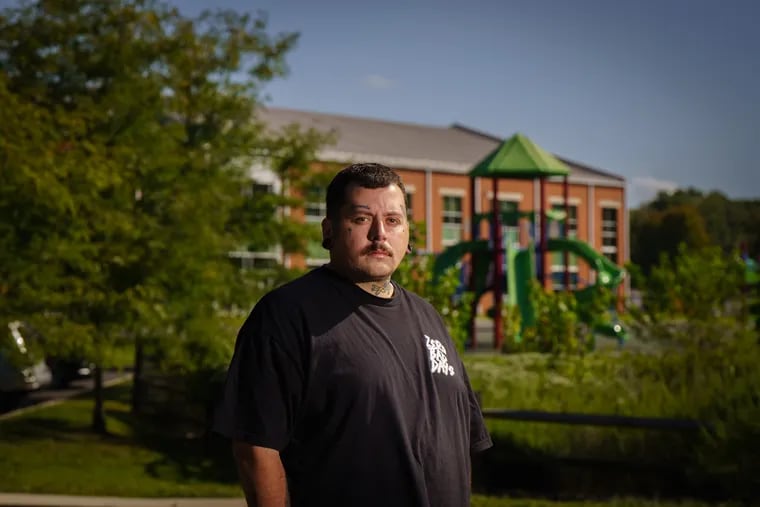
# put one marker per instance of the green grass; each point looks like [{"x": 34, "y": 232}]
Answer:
[
  {"x": 717, "y": 387},
  {"x": 493, "y": 501},
  {"x": 52, "y": 450},
  {"x": 595, "y": 384}
]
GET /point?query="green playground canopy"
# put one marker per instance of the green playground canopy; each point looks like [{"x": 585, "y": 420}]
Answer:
[{"x": 519, "y": 157}]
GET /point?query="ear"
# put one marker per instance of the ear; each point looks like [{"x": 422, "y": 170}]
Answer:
[{"x": 327, "y": 233}]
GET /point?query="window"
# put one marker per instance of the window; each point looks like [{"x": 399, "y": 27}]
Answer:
[
  {"x": 452, "y": 220},
  {"x": 315, "y": 208},
  {"x": 261, "y": 189},
  {"x": 510, "y": 232},
  {"x": 409, "y": 206},
  {"x": 610, "y": 233},
  {"x": 558, "y": 278},
  {"x": 558, "y": 258},
  {"x": 508, "y": 205},
  {"x": 316, "y": 255},
  {"x": 256, "y": 189},
  {"x": 254, "y": 260},
  {"x": 571, "y": 221}
]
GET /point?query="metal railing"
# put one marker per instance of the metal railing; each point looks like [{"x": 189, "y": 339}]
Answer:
[{"x": 620, "y": 421}]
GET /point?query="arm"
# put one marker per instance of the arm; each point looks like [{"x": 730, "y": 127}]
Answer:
[{"x": 261, "y": 475}]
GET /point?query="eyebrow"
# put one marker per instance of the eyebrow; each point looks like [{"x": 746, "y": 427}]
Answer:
[{"x": 364, "y": 207}]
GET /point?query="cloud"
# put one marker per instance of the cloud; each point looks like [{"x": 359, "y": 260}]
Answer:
[
  {"x": 378, "y": 82},
  {"x": 643, "y": 189}
]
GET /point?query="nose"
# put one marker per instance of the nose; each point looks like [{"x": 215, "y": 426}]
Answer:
[{"x": 377, "y": 231}]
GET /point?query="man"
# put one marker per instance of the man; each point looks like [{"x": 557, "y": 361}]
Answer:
[{"x": 345, "y": 389}]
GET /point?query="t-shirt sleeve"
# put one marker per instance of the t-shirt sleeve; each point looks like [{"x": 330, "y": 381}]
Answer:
[
  {"x": 480, "y": 439},
  {"x": 265, "y": 380}
]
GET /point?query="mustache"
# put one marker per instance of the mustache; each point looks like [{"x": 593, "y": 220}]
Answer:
[{"x": 379, "y": 247}]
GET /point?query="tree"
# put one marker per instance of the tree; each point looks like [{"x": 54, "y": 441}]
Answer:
[
  {"x": 715, "y": 208},
  {"x": 291, "y": 153},
  {"x": 129, "y": 130},
  {"x": 655, "y": 233},
  {"x": 680, "y": 197},
  {"x": 730, "y": 224}
]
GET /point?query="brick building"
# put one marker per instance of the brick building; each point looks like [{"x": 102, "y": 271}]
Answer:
[{"x": 434, "y": 163}]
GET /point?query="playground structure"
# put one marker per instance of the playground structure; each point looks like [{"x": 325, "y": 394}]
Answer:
[
  {"x": 499, "y": 264},
  {"x": 752, "y": 286}
]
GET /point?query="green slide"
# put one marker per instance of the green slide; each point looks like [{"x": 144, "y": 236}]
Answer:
[
  {"x": 521, "y": 272},
  {"x": 521, "y": 269},
  {"x": 608, "y": 275},
  {"x": 481, "y": 254}
]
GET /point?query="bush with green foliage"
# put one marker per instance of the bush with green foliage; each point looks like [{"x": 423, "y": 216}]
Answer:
[
  {"x": 557, "y": 328},
  {"x": 695, "y": 356},
  {"x": 694, "y": 307},
  {"x": 562, "y": 323},
  {"x": 416, "y": 274}
]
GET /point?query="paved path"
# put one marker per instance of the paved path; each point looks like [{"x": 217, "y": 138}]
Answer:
[
  {"x": 47, "y": 396},
  {"x": 31, "y": 500}
]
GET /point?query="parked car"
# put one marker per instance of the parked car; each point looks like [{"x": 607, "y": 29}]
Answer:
[
  {"x": 22, "y": 368},
  {"x": 63, "y": 368},
  {"x": 51, "y": 370}
]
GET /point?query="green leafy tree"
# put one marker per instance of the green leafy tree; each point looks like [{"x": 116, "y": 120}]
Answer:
[
  {"x": 694, "y": 288},
  {"x": 129, "y": 132},
  {"x": 695, "y": 314},
  {"x": 715, "y": 208},
  {"x": 416, "y": 274},
  {"x": 291, "y": 153},
  {"x": 670, "y": 219},
  {"x": 655, "y": 232},
  {"x": 664, "y": 200}
]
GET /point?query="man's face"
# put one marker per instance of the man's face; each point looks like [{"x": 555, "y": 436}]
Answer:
[{"x": 370, "y": 235}]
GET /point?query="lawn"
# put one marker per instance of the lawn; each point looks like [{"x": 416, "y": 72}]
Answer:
[{"x": 51, "y": 450}]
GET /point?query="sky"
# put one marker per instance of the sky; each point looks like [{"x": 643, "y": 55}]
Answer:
[{"x": 663, "y": 92}]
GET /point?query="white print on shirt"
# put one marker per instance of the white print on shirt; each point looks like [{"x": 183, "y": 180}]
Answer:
[{"x": 439, "y": 361}]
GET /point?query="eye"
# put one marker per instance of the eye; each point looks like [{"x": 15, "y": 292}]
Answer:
[
  {"x": 394, "y": 220},
  {"x": 360, "y": 220}
]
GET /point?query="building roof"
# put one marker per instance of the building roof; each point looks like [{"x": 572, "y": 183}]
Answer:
[{"x": 455, "y": 149}]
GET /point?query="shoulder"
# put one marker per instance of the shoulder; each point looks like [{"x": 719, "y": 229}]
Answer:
[
  {"x": 278, "y": 310},
  {"x": 306, "y": 302},
  {"x": 417, "y": 303},
  {"x": 295, "y": 293}
]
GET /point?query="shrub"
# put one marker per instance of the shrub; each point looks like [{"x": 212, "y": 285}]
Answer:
[
  {"x": 416, "y": 274},
  {"x": 563, "y": 324},
  {"x": 700, "y": 362}
]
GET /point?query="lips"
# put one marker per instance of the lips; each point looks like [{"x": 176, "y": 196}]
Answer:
[{"x": 378, "y": 252}]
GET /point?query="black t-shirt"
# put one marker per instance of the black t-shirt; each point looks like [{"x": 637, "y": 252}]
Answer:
[{"x": 365, "y": 398}]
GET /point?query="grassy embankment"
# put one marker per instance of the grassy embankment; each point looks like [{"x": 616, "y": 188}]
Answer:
[{"x": 51, "y": 450}]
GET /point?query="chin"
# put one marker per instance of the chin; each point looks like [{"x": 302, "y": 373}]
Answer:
[{"x": 374, "y": 273}]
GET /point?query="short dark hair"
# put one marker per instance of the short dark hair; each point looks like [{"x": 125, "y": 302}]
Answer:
[{"x": 366, "y": 175}]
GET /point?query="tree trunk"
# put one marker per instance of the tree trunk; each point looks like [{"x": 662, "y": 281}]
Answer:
[
  {"x": 283, "y": 255},
  {"x": 137, "y": 387},
  {"x": 98, "y": 413}
]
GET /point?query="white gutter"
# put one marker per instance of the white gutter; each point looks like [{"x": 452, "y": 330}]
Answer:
[
  {"x": 429, "y": 210},
  {"x": 536, "y": 210},
  {"x": 591, "y": 210}
]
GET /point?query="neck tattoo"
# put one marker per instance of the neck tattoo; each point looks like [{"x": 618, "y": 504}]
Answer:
[{"x": 384, "y": 290}]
